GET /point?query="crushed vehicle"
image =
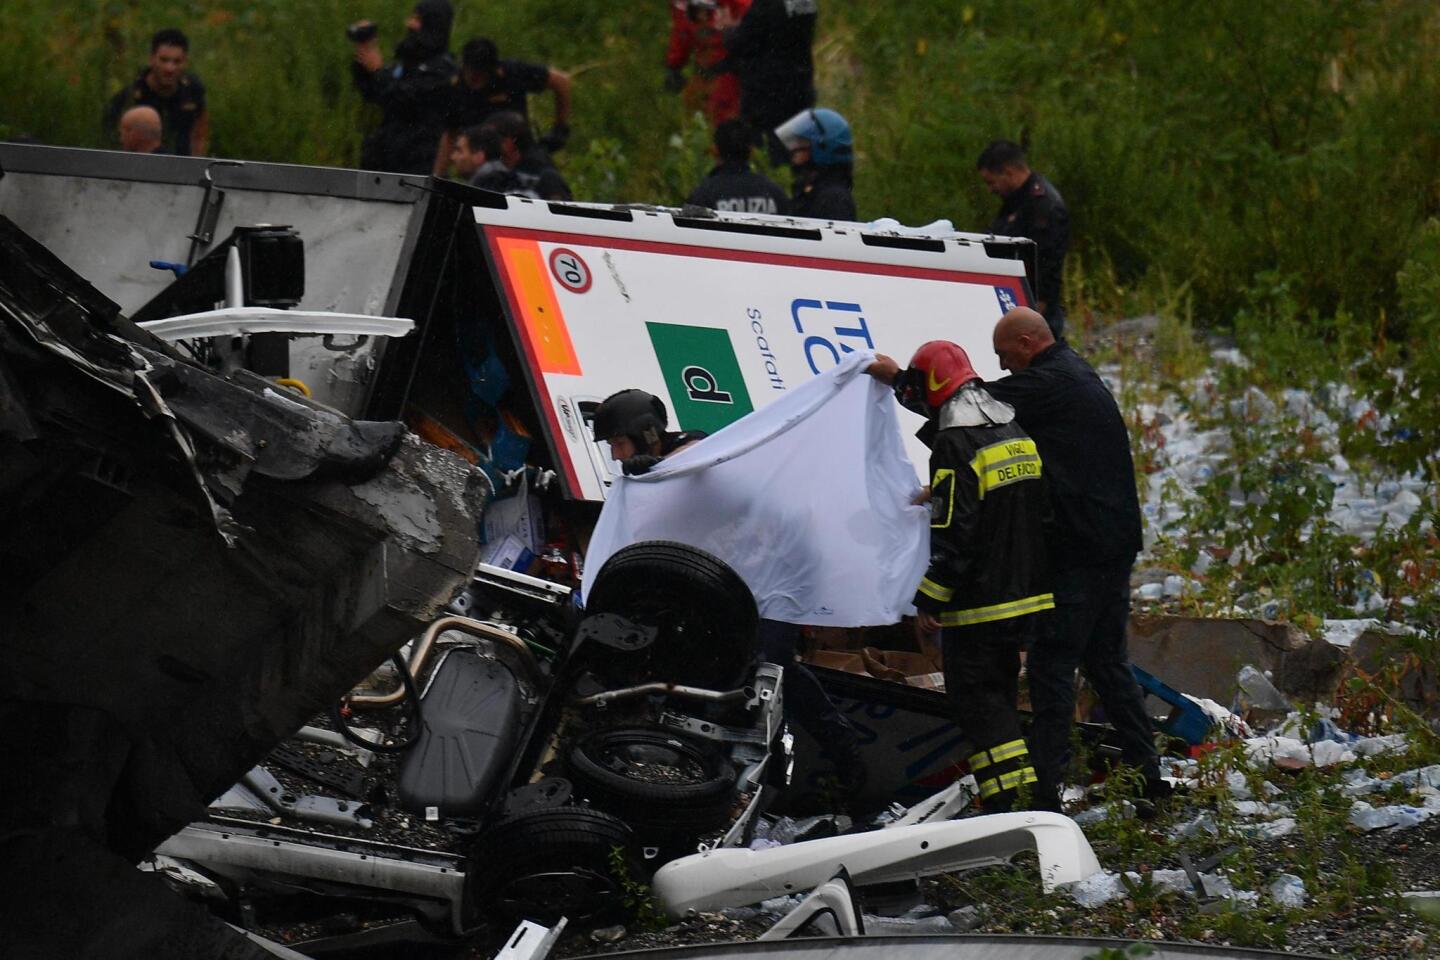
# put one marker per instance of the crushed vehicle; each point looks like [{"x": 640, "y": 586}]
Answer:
[
  {"x": 495, "y": 768},
  {"x": 523, "y": 766}
]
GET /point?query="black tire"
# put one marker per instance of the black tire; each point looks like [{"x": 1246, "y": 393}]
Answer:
[
  {"x": 704, "y": 611},
  {"x": 547, "y": 864},
  {"x": 615, "y": 770}
]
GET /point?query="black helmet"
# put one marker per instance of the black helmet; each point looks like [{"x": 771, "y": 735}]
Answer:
[{"x": 636, "y": 414}]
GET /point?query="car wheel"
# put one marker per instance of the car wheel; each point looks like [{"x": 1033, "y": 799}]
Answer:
[
  {"x": 659, "y": 781},
  {"x": 705, "y": 613},
  {"x": 547, "y": 864}
]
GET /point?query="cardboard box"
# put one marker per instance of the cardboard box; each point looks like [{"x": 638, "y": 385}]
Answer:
[
  {"x": 837, "y": 660},
  {"x": 509, "y": 553},
  {"x": 520, "y": 516}
]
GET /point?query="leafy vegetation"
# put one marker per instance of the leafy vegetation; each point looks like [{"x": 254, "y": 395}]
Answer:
[
  {"x": 643, "y": 911},
  {"x": 1209, "y": 146}
]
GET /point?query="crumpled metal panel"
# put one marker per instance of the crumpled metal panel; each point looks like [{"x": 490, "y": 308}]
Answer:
[{"x": 198, "y": 567}]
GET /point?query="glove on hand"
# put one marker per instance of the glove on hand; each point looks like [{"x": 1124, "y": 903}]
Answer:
[
  {"x": 556, "y": 139},
  {"x": 638, "y": 464}
]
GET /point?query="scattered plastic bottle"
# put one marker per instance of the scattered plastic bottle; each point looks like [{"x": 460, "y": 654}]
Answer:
[
  {"x": 1258, "y": 693},
  {"x": 1288, "y": 890}
]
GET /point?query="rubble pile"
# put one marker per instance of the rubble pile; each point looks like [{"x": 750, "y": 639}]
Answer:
[
  {"x": 1190, "y": 441},
  {"x": 1291, "y": 823}
]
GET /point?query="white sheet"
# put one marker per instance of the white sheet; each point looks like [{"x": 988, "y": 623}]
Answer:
[{"x": 808, "y": 499}]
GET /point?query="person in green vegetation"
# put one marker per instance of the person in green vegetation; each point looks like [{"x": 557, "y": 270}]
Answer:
[
  {"x": 414, "y": 92},
  {"x": 1031, "y": 207},
  {"x": 175, "y": 94}
]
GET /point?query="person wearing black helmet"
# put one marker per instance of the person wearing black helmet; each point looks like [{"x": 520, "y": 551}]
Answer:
[
  {"x": 822, "y": 156},
  {"x": 530, "y": 168},
  {"x": 987, "y": 585},
  {"x": 414, "y": 92},
  {"x": 633, "y": 422}
]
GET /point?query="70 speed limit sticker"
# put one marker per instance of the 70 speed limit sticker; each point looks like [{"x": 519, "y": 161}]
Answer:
[{"x": 569, "y": 270}]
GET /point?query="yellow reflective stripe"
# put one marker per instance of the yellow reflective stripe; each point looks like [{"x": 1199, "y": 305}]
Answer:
[
  {"x": 935, "y": 591},
  {"x": 1005, "y": 751},
  {"x": 1006, "y": 462},
  {"x": 936, "y": 483},
  {"x": 1007, "y": 781},
  {"x": 999, "y": 611}
]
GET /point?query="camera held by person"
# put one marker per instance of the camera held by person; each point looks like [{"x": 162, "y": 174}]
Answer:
[{"x": 362, "y": 31}]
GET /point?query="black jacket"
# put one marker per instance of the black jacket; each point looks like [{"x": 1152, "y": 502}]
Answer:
[
  {"x": 415, "y": 93},
  {"x": 1038, "y": 212},
  {"x": 770, "y": 53},
  {"x": 987, "y": 541},
  {"x": 823, "y": 193},
  {"x": 537, "y": 177},
  {"x": 1061, "y": 402},
  {"x": 178, "y": 112},
  {"x": 734, "y": 187}
]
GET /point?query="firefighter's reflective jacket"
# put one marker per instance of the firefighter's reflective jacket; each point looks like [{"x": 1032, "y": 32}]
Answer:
[{"x": 987, "y": 507}]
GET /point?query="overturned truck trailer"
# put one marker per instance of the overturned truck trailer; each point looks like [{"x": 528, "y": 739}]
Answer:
[{"x": 527, "y": 313}]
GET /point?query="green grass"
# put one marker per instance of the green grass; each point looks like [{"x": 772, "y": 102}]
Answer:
[
  {"x": 1203, "y": 146},
  {"x": 1269, "y": 170}
]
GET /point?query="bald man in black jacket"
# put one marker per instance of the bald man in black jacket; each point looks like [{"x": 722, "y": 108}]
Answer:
[{"x": 1062, "y": 403}]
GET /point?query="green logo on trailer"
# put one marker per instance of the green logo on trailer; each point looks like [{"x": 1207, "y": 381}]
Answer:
[{"x": 702, "y": 374}]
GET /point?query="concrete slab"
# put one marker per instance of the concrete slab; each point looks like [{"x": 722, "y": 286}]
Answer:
[{"x": 1201, "y": 656}]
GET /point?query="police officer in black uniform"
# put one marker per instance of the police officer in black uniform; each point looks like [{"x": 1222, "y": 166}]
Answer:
[
  {"x": 1031, "y": 207},
  {"x": 988, "y": 581},
  {"x": 414, "y": 91},
  {"x": 1062, "y": 403},
  {"x": 531, "y": 168},
  {"x": 821, "y": 154},
  {"x": 489, "y": 85},
  {"x": 770, "y": 51},
  {"x": 177, "y": 95},
  {"x": 732, "y": 185}
]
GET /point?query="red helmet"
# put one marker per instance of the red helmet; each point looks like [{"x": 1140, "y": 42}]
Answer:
[{"x": 937, "y": 370}]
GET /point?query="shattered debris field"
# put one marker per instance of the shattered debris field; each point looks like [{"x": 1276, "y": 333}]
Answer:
[
  {"x": 370, "y": 659},
  {"x": 1305, "y": 821},
  {"x": 1304, "y": 815}
]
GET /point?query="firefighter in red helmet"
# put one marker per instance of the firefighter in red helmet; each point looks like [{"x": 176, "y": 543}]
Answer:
[{"x": 987, "y": 586}]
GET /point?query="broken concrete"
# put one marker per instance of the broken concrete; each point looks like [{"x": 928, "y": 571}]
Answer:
[
  {"x": 181, "y": 600},
  {"x": 1202, "y": 656}
]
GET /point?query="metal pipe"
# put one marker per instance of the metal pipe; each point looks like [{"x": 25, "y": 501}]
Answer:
[
  {"x": 425, "y": 645},
  {"x": 234, "y": 279},
  {"x": 673, "y": 689}
]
